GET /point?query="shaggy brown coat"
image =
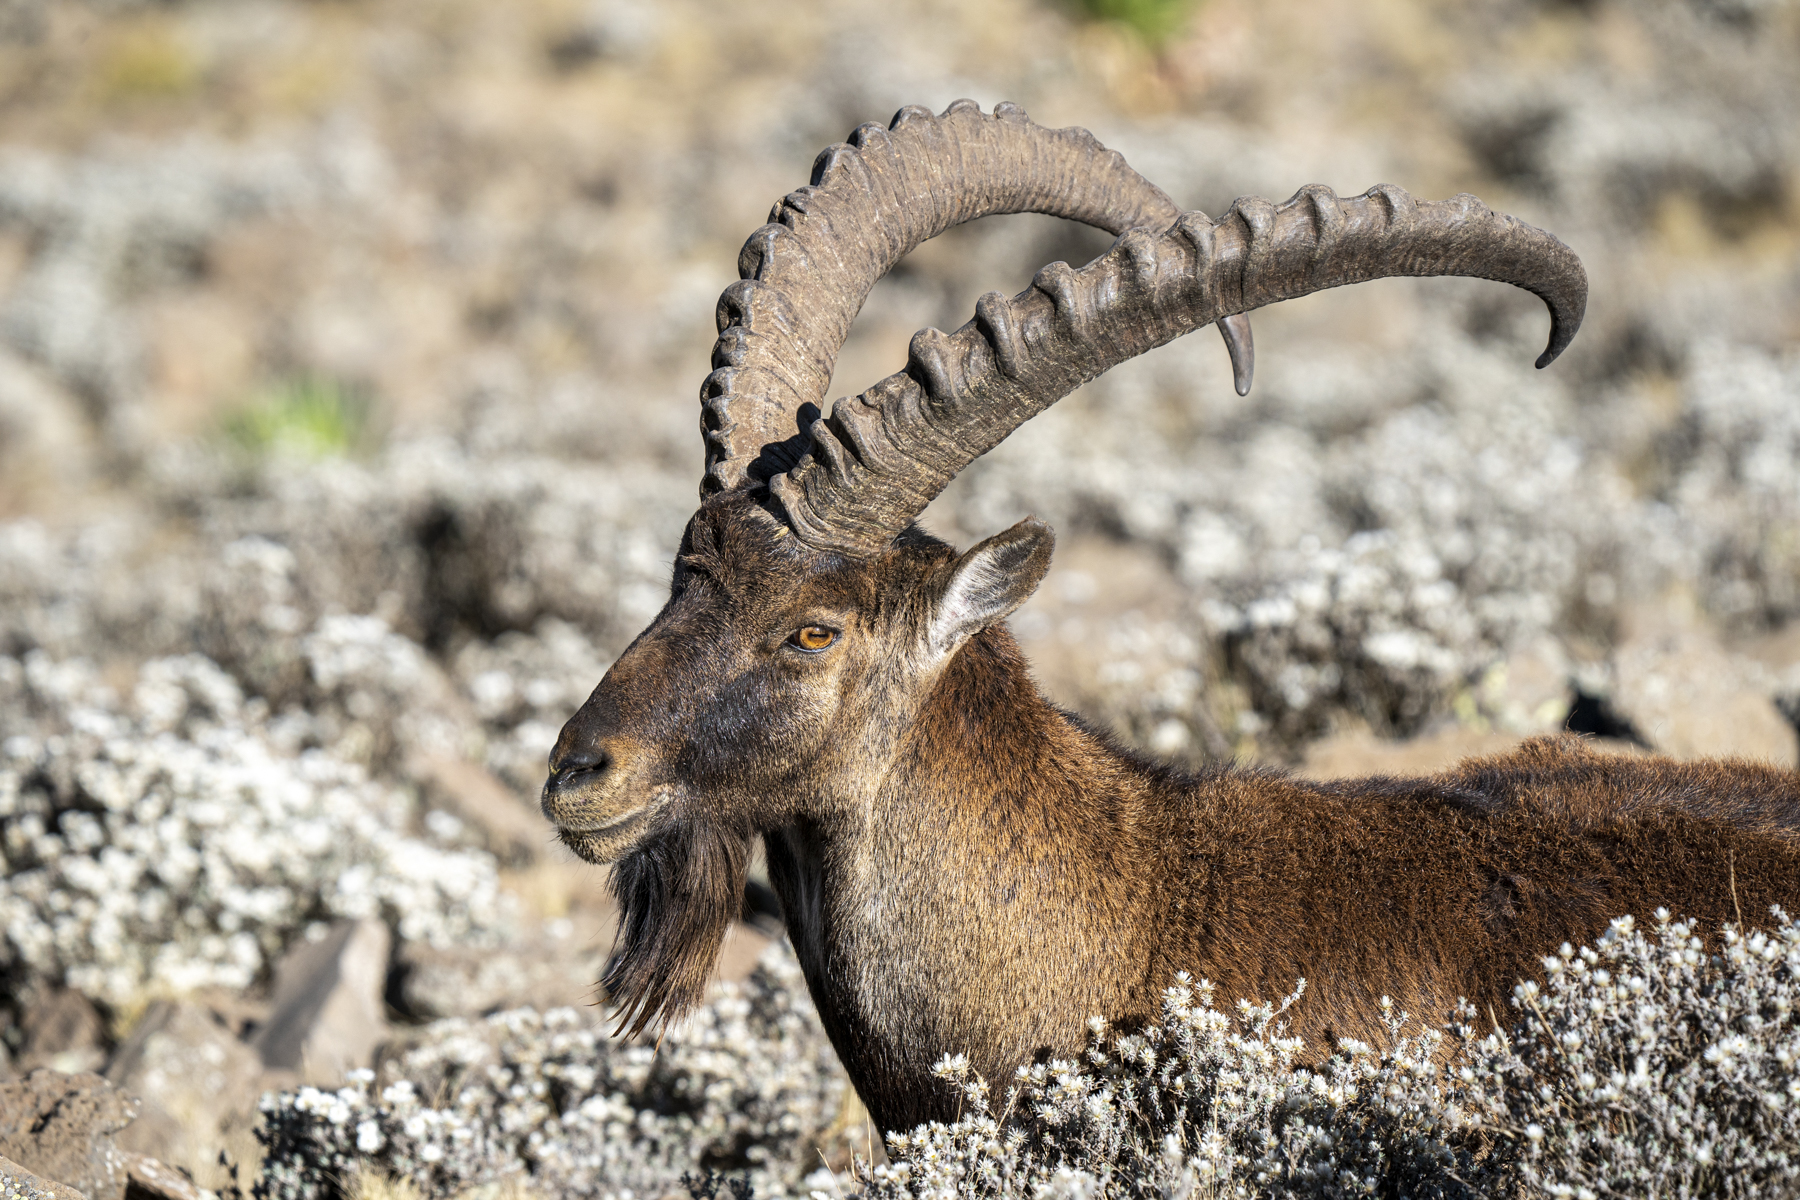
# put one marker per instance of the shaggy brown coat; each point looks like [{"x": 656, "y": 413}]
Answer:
[{"x": 966, "y": 868}]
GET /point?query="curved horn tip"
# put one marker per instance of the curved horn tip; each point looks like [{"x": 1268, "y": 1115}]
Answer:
[
  {"x": 1241, "y": 346},
  {"x": 1562, "y": 332}
]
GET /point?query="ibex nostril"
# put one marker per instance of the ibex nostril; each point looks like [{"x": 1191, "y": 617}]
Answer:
[{"x": 571, "y": 761}]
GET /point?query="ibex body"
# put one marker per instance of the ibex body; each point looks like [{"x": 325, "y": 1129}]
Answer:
[{"x": 962, "y": 866}]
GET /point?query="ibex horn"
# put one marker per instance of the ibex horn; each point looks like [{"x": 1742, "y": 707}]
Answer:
[
  {"x": 873, "y": 199},
  {"x": 882, "y": 456}
]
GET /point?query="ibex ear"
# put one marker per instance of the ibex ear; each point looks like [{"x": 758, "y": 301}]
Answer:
[{"x": 989, "y": 582}]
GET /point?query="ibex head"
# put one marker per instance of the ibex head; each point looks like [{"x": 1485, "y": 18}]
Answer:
[
  {"x": 808, "y": 617},
  {"x": 773, "y": 682},
  {"x": 770, "y": 659}
]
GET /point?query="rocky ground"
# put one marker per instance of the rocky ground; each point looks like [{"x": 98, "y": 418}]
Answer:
[{"x": 347, "y": 366}]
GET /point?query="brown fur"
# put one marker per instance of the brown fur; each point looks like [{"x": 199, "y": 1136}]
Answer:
[{"x": 965, "y": 868}]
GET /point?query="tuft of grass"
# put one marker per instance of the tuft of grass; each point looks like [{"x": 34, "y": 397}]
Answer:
[
  {"x": 1156, "y": 21},
  {"x": 375, "y": 1185},
  {"x": 148, "y": 61},
  {"x": 305, "y": 418}
]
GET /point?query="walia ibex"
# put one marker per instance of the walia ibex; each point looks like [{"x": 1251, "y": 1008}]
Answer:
[{"x": 962, "y": 866}]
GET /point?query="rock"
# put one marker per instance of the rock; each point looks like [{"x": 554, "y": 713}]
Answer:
[
  {"x": 198, "y": 1087},
  {"x": 16, "y": 1183},
  {"x": 61, "y": 1127},
  {"x": 61, "y": 1030},
  {"x": 152, "y": 1179},
  {"x": 1778, "y": 653},
  {"x": 327, "y": 1016},
  {"x": 1351, "y": 755},
  {"x": 512, "y": 831},
  {"x": 43, "y": 445},
  {"x": 556, "y": 965},
  {"x": 1689, "y": 696},
  {"x": 1530, "y": 691}
]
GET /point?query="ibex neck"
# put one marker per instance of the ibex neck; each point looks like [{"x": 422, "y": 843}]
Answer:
[{"x": 985, "y": 894}]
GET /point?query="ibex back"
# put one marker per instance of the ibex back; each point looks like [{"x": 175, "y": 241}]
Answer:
[{"x": 962, "y": 866}]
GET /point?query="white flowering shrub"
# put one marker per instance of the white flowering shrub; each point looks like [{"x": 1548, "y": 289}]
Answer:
[
  {"x": 1731, "y": 479},
  {"x": 1375, "y": 627},
  {"x": 167, "y": 844},
  {"x": 1644, "y": 1066},
  {"x": 426, "y": 601},
  {"x": 449, "y": 543},
  {"x": 523, "y": 686},
  {"x": 1653, "y": 1066},
  {"x": 748, "y": 1085},
  {"x": 1202, "y": 1104}
]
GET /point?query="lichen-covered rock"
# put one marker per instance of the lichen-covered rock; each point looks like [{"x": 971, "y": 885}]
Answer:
[
  {"x": 16, "y": 1183},
  {"x": 61, "y": 1127},
  {"x": 197, "y": 1085}
]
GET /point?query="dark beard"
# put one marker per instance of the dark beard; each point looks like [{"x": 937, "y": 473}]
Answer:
[{"x": 677, "y": 895}]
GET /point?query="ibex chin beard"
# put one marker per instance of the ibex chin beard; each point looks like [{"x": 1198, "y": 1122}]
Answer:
[
  {"x": 613, "y": 841},
  {"x": 678, "y": 892}
]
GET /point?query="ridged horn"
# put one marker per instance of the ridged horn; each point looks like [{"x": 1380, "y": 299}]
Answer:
[
  {"x": 882, "y": 456},
  {"x": 805, "y": 274}
]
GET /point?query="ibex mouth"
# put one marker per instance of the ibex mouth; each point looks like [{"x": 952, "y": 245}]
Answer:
[{"x": 614, "y": 840}]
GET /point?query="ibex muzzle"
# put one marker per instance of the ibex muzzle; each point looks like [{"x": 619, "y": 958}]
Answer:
[{"x": 962, "y": 866}]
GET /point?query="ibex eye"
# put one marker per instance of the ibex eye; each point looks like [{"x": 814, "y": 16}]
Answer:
[{"x": 812, "y": 638}]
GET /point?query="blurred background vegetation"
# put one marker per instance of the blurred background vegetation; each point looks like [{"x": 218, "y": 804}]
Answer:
[
  {"x": 318, "y": 229},
  {"x": 1156, "y": 21}
]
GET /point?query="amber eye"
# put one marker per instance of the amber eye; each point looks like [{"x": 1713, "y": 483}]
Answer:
[{"x": 812, "y": 638}]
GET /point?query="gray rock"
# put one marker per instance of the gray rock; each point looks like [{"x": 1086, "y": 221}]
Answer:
[
  {"x": 152, "y": 1179},
  {"x": 198, "y": 1086},
  {"x": 1689, "y": 696},
  {"x": 556, "y": 965},
  {"x": 62, "y": 1126},
  {"x": 16, "y": 1183},
  {"x": 61, "y": 1030},
  {"x": 510, "y": 829},
  {"x": 1530, "y": 692},
  {"x": 43, "y": 442},
  {"x": 327, "y": 1016}
]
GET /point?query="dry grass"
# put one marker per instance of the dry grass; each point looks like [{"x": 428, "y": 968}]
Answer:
[{"x": 374, "y": 1185}]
